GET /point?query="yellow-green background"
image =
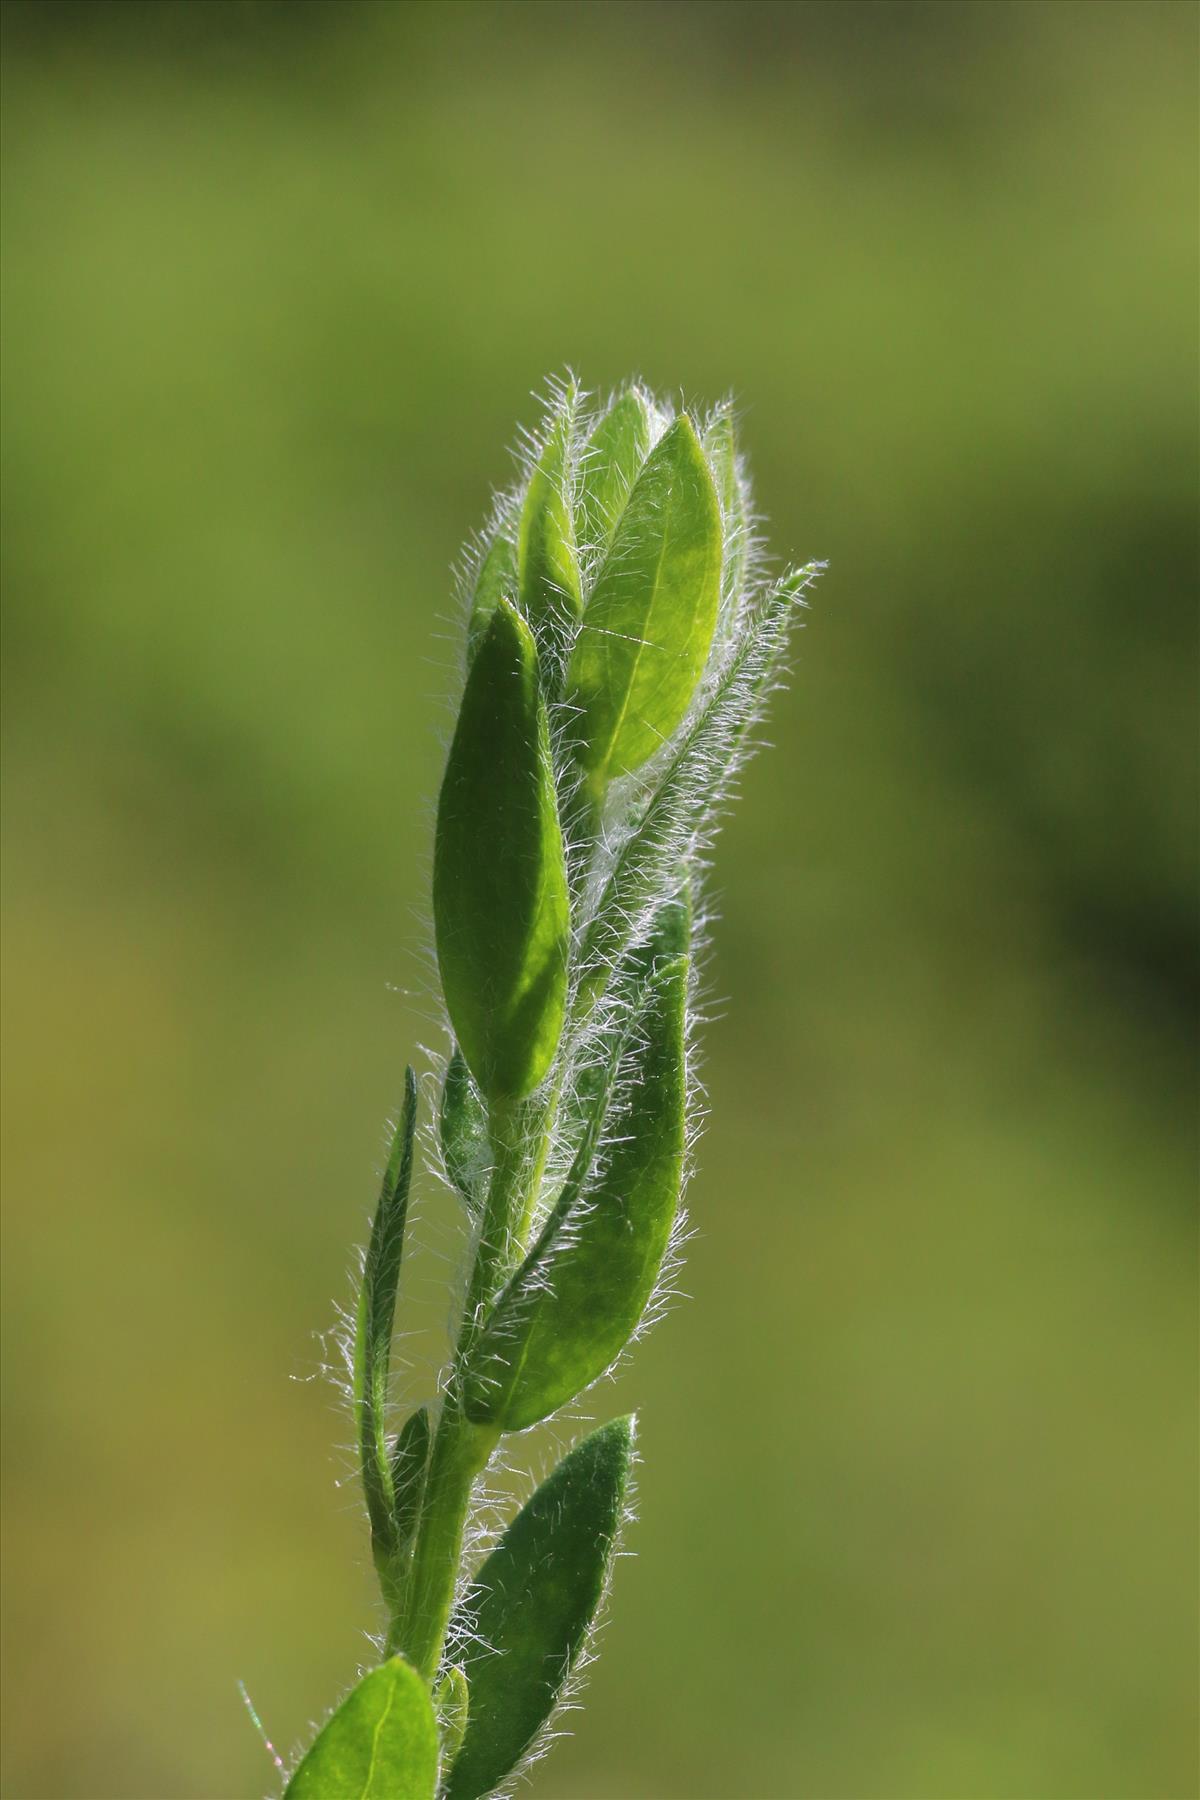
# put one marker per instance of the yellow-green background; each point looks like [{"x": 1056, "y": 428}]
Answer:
[{"x": 917, "y": 1505}]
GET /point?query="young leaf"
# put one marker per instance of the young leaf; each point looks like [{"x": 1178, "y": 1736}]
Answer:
[
  {"x": 649, "y": 623},
  {"x": 671, "y": 936},
  {"x": 573, "y": 1304},
  {"x": 720, "y": 443},
  {"x": 500, "y": 900},
  {"x": 496, "y": 580},
  {"x": 537, "y": 1595},
  {"x": 690, "y": 786},
  {"x": 410, "y": 1459},
  {"x": 452, "y": 1704},
  {"x": 611, "y": 459},
  {"x": 380, "y": 1744},
  {"x": 463, "y": 1130},
  {"x": 547, "y": 561},
  {"x": 373, "y": 1335}
]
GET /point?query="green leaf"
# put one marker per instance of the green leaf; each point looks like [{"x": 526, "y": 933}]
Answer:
[
  {"x": 584, "y": 1099},
  {"x": 410, "y": 1459},
  {"x": 452, "y": 1704},
  {"x": 496, "y": 580},
  {"x": 690, "y": 785},
  {"x": 547, "y": 562},
  {"x": 575, "y": 1301},
  {"x": 672, "y": 934},
  {"x": 609, "y": 465},
  {"x": 380, "y": 1744},
  {"x": 538, "y": 1593},
  {"x": 649, "y": 623},
  {"x": 373, "y": 1334},
  {"x": 463, "y": 1130},
  {"x": 720, "y": 443},
  {"x": 500, "y": 901}
]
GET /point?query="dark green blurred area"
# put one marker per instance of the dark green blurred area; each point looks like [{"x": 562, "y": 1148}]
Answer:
[{"x": 918, "y": 1500}]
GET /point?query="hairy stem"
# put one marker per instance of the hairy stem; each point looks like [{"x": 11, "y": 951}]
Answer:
[
  {"x": 460, "y": 1453},
  {"x": 520, "y": 1139}
]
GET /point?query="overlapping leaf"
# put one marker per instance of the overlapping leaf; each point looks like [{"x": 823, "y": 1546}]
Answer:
[
  {"x": 463, "y": 1131},
  {"x": 720, "y": 444},
  {"x": 373, "y": 1334},
  {"x": 612, "y": 457},
  {"x": 499, "y": 883},
  {"x": 649, "y": 622},
  {"x": 547, "y": 559},
  {"x": 536, "y": 1598},
  {"x": 688, "y": 787},
  {"x": 496, "y": 581},
  {"x": 580, "y": 1293}
]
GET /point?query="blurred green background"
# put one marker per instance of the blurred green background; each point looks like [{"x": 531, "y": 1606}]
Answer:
[{"x": 918, "y": 1503}]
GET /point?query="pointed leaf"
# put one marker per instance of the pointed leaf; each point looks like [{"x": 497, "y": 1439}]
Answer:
[
  {"x": 649, "y": 623},
  {"x": 538, "y": 1593},
  {"x": 410, "y": 1459},
  {"x": 452, "y": 1704},
  {"x": 373, "y": 1336},
  {"x": 584, "y": 1103},
  {"x": 572, "y": 1306},
  {"x": 380, "y": 1744},
  {"x": 720, "y": 444},
  {"x": 611, "y": 459},
  {"x": 690, "y": 786},
  {"x": 496, "y": 580},
  {"x": 463, "y": 1129},
  {"x": 547, "y": 562},
  {"x": 671, "y": 936},
  {"x": 499, "y": 878}
]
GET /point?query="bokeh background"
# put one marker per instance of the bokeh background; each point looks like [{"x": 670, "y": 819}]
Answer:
[{"x": 918, "y": 1500}]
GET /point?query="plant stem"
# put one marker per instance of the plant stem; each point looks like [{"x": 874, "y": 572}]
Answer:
[
  {"x": 520, "y": 1137},
  {"x": 520, "y": 1142},
  {"x": 460, "y": 1453}
]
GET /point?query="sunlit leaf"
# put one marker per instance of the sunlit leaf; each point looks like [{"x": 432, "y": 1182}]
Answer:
[
  {"x": 496, "y": 580},
  {"x": 609, "y": 465},
  {"x": 547, "y": 560},
  {"x": 720, "y": 444},
  {"x": 649, "y": 622},
  {"x": 380, "y": 1744},
  {"x": 690, "y": 783}
]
